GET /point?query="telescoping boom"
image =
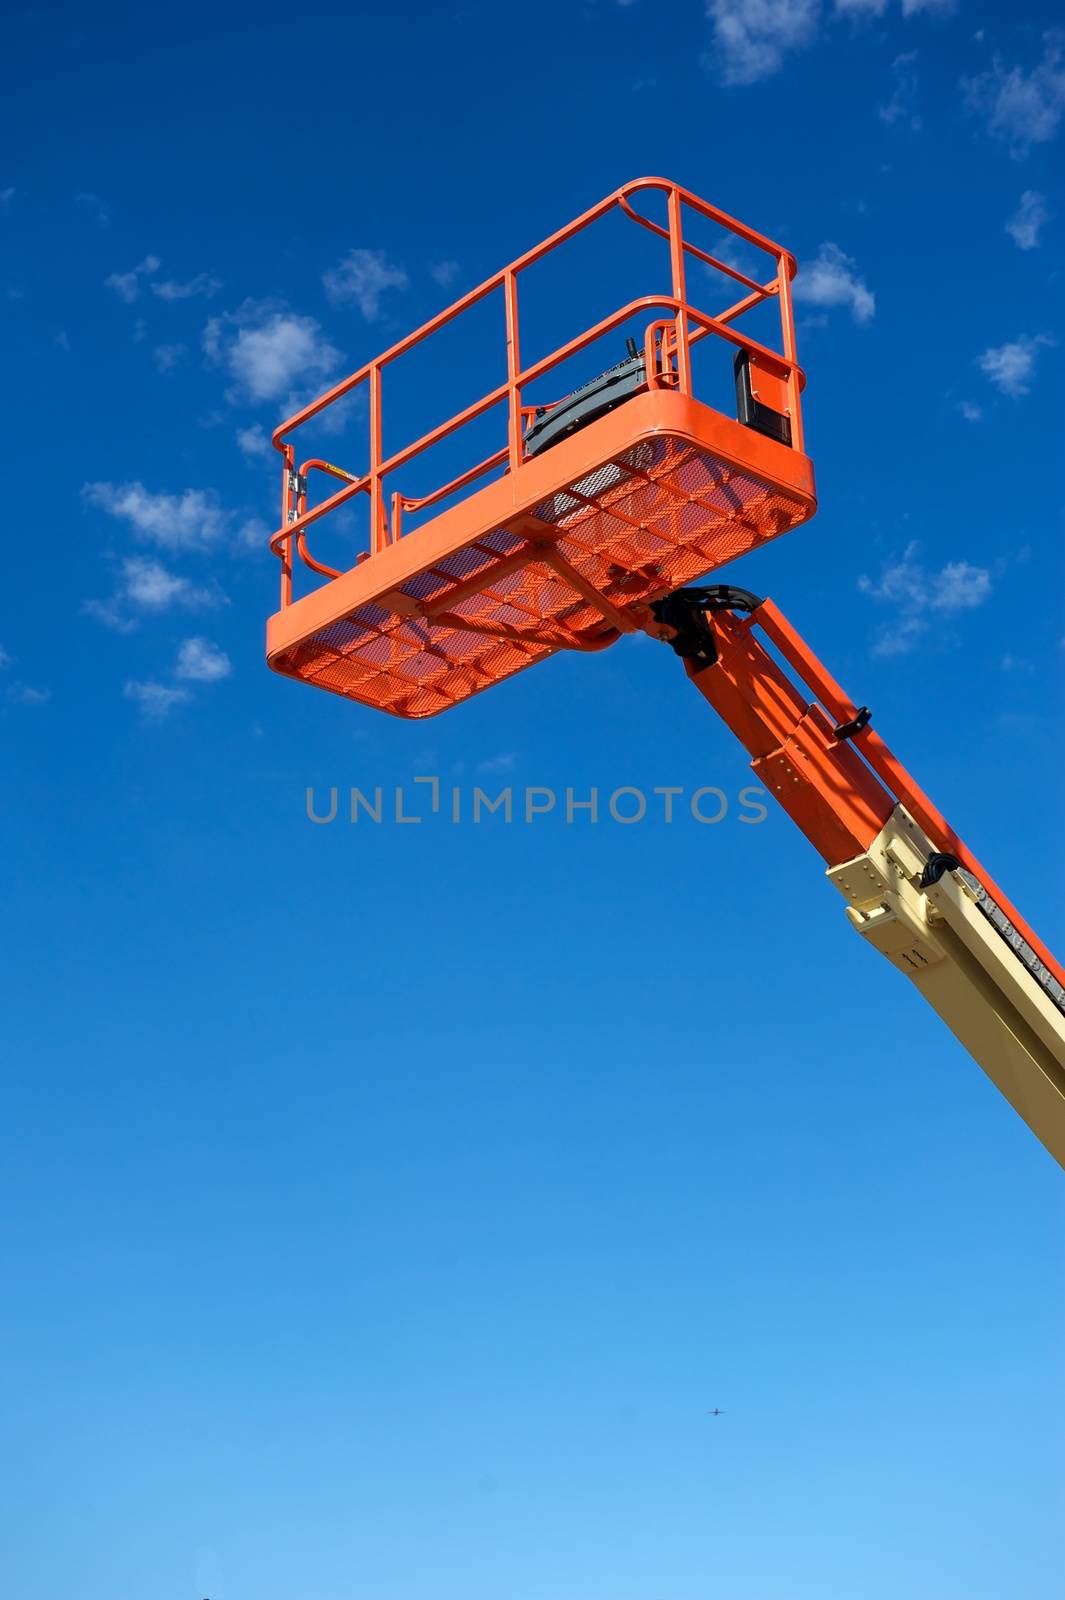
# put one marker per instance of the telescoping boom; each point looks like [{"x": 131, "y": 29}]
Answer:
[
  {"x": 913, "y": 890},
  {"x": 592, "y": 518}
]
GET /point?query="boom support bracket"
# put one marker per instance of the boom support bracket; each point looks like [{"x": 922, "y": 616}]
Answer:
[{"x": 682, "y": 618}]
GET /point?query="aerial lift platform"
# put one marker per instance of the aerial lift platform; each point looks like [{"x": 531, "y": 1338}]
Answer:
[{"x": 592, "y": 519}]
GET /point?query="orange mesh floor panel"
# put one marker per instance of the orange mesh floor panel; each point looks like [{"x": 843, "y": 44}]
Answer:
[{"x": 639, "y": 503}]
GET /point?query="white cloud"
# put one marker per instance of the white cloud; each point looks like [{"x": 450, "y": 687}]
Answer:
[
  {"x": 93, "y": 204},
  {"x": 970, "y": 411},
  {"x": 364, "y": 276},
  {"x": 154, "y": 699},
  {"x": 252, "y": 533},
  {"x": 200, "y": 661},
  {"x": 914, "y": 592},
  {"x": 145, "y": 587},
  {"x": 268, "y": 350},
  {"x": 900, "y": 637},
  {"x": 738, "y": 254},
  {"x": 148, "y": 584},
  {"x": 109, "y": 613},
  {"x": 830, "y": 280},
  {"x": 876, "y": 8},
  {"x": 338, "y": 417},
  {"x": 21, "y": 694},
  {"x": 27, "y": 694},
  {"x": 1022, "y": 108},
  {"x": 1010, "y": 367},
  {"x": 203, "y": 283},
  {"x": 445, "y": 272},
  {"x": 959, "y": 586},
  {"x": 253, "y": 441},
  {"x": 127, "y": 284},
  {"x": 169, "y": 356},
  {"x": 902, "y": 106},
  {"x": 192, "y": 520},
  {"x": 7, "y": 195},
  {"x": 1025, "y": 224},
  {"x": 752, "y": 37}
]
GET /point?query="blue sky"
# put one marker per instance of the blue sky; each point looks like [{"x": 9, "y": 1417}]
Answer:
[{"x": 386, "y": 1206}]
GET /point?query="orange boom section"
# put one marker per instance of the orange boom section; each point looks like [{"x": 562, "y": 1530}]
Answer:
[{"x": 591, "y": 508}]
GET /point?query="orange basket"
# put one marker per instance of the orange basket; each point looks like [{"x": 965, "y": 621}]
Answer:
[{"x": 595, "y": 507}]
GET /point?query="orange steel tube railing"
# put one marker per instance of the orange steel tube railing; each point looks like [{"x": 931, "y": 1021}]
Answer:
[{"x": 670, "y": 338}]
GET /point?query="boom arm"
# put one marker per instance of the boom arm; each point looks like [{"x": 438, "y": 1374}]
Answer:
[{"x": 913, "y": 889}]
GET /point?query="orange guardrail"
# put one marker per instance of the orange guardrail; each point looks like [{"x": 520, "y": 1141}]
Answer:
[{"x": 675, "y": 326}]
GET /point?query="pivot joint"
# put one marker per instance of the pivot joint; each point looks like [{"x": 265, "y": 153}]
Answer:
[{"x": 682, "y": 616}]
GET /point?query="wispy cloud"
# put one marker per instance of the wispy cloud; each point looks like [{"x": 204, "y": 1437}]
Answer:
[
  {"x": 364, "y": 276},
  {"x": 203, "y": 283},
  {"x": 127, "y": 285},
  {"x": 169, "y": 356},
  {"x": 971, "y": 411},
  {"x": 505, "y": 762},
  {"x": 917, "y": 594},
  {"x": 877, "y": 8},
  {"x": 253, "y": 442},
  {"x": 27, "y": 694},
  {"x": 752, "y": 38},
  {"x": 191, "y": 520},
  {"x": 154, "y": 699},
  {"x": 1021, "y": 108},
  {"x": 445, "y": 272},
  {"x": 268, "y": 349},
  {"x": 18, "y": 693},
  {"x": 149, "y": 585},
  {"x": 95, "y": 207},
  {"x": 1011, "y": 367},
  {"x": 7, "y": 195},
  {"x": 901, "y": 108},
  {"x": 200, "y": 661},
  {"x": 738, "y": 254},
  {"x": 1028, "y": 220},
  {"x": 831, "y": 280},
  {"x": 252, "y": 534},
  {"x": 146, "y": 588}
]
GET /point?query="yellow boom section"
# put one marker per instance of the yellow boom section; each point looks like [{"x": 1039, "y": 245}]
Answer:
[{"x": 945, "y": 933}]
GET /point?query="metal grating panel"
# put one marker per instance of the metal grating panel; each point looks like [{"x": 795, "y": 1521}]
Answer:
[{"x": 656, "y": 516}]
